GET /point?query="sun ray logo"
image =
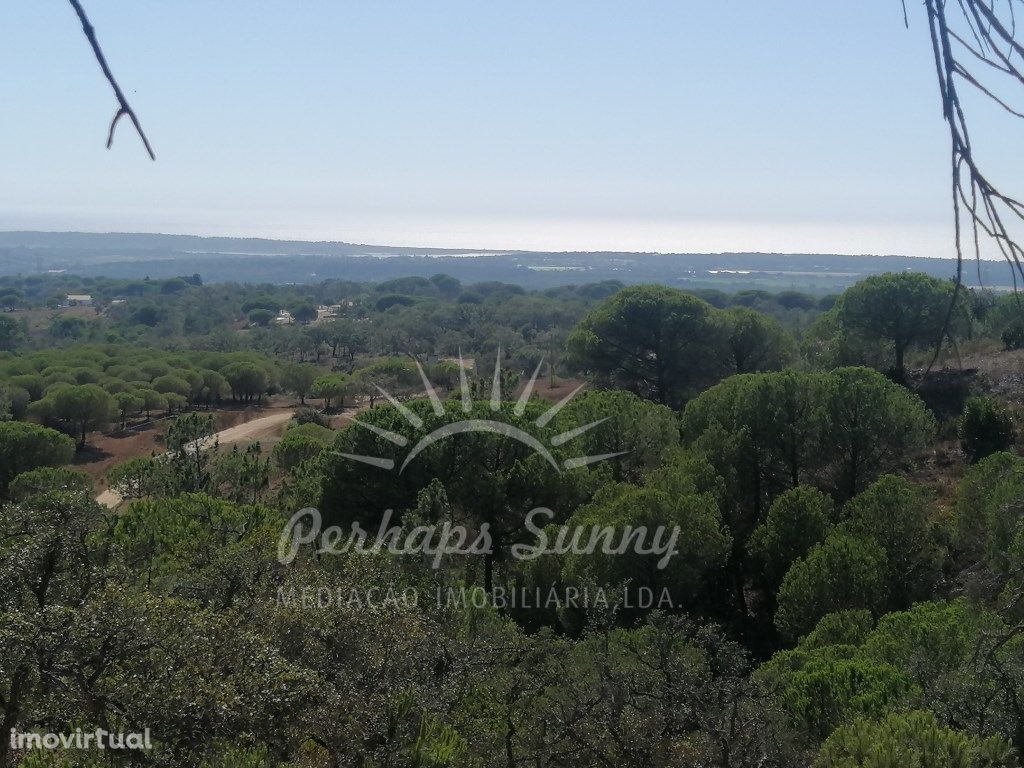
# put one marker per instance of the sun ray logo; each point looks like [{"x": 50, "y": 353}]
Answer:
[{"x": 493, "y": 425}]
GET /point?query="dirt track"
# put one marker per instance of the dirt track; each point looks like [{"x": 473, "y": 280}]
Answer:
[
  {"x": 266, "y": 426},
  {"x": 250, "y": 431}
]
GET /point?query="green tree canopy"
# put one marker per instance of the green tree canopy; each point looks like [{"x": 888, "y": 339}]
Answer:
[
  {"x": 197, "y": 546},
  {"x": 24, "y": 447},
  {"x": 11, "y": 333},
  {"x": 989, "y": 519},
  {"x": 843, "y": 572},
  {"x": 298, "y": 379},
  {"x": 304, "y": 312},
  {"x": 331, "y": 388},
  {"x": 911, "y": 738},
  {"x": 301, "y": 443},
  {"x": 482, "y": 476},
  {"x": 128, "y": 404},
  {"x": 905, "y": 309},
  {"x": 872, "y": 425},
  {"x": 898, "y": 516},
  {"x": 797, "y": 520},
  {"x": 756, "y": 342},
  {"x": 985, "y": 427},
  {"x": 657, "y": 342},
  {"x": 261, "y": 317},
  {"x": 703, "y": 543},
  {"x": 248, "y": 381},
  {"x": 768, "y": 432},
  {"x": 49, "y": 480},
  {"x": 953, "y": 658},
  {"x": 640, "y": 432},
  {"x": 80, "y": 408}
]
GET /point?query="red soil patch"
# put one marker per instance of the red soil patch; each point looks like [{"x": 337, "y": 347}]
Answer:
[
  {"x": 563, "y": 387},
  {"x": 104, "y": 451}
]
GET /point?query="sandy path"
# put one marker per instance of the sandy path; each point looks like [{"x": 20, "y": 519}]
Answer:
[
  {"x": 247, "y": 432},
  {"x": 250, "y": 430},
  {"x": 109, "y": 498}
]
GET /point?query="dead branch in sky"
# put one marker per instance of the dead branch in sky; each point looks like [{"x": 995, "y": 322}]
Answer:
[
  {"x": 975, "y": 47},
  {"x": 124, "y": 108}
]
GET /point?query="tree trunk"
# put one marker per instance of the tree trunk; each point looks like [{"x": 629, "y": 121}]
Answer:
[{"x": 7, "y": 726}]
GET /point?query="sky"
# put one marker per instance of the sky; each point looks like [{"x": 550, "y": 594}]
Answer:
[{"x": 675, "y": 126}]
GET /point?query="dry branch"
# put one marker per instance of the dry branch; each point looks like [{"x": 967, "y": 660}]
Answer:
[
  {"x": 124, "y": 108},
  {"x": 966, "y": 34}
]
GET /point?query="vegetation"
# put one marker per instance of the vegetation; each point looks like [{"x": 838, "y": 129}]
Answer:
[
  {"x": 843, "y": 587},
  {"x": 654, "y": 341},
  {"x": 985, "y": 428},
  {"x": 24, "y": 447},
  {"x": 904, "y": 311}
]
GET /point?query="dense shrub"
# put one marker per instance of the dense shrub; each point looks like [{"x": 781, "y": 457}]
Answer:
[
  {"x": 1013, "y": 335},
  {"x": 986, "y": 427},
  {"x": 308, "y": 415},
  {"x": 911, "y": 739},
  {"x": 28, "y": 446}
]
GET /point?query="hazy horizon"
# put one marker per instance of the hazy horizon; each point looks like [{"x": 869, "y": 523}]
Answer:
[
  {"x": 547, "y": 236},
  {"x": 471, "y": 246}
]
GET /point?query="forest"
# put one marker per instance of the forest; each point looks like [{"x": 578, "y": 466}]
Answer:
[{"x": 844, "y": 586}]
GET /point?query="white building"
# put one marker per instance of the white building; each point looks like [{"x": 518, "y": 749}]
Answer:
[{"x": 327, "y": 312}]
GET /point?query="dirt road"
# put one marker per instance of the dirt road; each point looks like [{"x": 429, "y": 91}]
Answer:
[{"x": 249, "y": 431}]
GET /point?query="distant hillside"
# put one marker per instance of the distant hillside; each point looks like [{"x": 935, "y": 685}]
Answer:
[{"x": 254, "y": 260}]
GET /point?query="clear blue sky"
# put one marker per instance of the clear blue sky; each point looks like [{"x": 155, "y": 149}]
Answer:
[{"x": 796, "y": 125}]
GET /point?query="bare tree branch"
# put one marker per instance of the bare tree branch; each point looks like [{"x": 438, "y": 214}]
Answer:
[
  {"x": 965, "y": 34},
  {"x": 124, "y": 108}
]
